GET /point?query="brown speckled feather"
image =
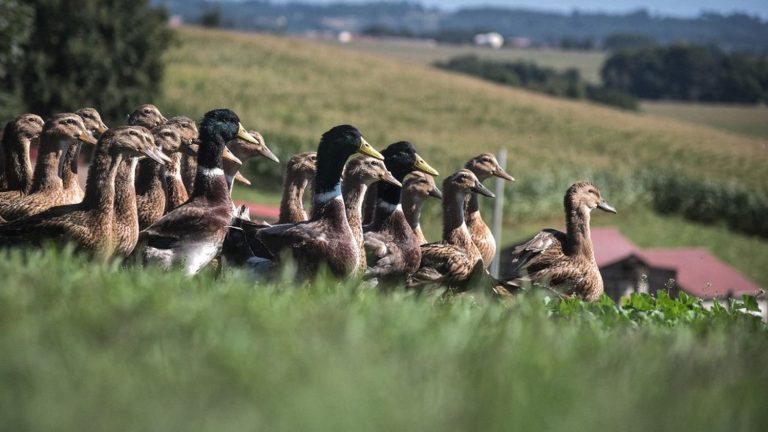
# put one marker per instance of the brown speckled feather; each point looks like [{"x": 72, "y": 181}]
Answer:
[{"x": 125, "y": 227}]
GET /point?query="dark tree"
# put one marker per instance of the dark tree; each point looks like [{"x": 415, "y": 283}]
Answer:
[
  {"x": 106, "y": 54},
  {"x": 14, "y": 33}
]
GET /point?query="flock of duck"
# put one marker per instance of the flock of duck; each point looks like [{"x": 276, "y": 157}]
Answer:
[{"x": 159, "y": 191}]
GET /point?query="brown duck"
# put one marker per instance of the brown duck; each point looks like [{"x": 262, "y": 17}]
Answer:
[
  {"x": 73, "y": 193},
  {"x": 484, "y": 166},
  {"x": 417, "y": 187},
  {"x": 392, "y": 249},
  {"x": 564, "y": 261},
  {"x": 326, "y": 238},
  {"x": 192, "y": 235},
  {"x": 147, "y": 116},
  {"x": 177, "y": 193},
  {"x": 359, "y": 173},
  {"x": 18, "y": 136},
  {"x": 87, "y": 224},
  {"x": 453, "y": 262},
  {"x": 300, "y": 171},
  {"x": 60, "y": 132}
]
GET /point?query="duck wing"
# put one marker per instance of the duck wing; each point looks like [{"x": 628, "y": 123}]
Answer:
[
  {"x": 443, "y": 264},
  {"x": 309, "y": 235},
  {"x": 189, "y": 223},
  {"x": 34, "y": 230},
  {"x": 532, "y": 261}
]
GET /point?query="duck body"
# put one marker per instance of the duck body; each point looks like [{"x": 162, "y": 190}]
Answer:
[
  {"x": 484, "y": 166},
  {"x": 392, "y": 248},
  {"x": 417, "y": 187},
  {"x": 17, "y": 138},
  {"x": 88, "y": 224},
  {"x": 59, "y": 135},
  {"x": 454, "y": 262},
  {"x": 564, "y": 261},
  {"x": 192, "y": 235},
  {"x": 326, "y": 238}
]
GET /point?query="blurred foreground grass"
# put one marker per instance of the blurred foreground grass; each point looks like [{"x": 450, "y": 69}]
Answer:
[{"x": 94, "y": 347}]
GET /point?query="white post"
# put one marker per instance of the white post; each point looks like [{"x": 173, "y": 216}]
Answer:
[{"x": 498, "y": 212}]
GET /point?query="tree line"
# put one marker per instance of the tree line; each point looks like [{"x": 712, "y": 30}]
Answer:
[
  {"x": 688, "y": 73},
  {"x": 567, "y": 84},
  {"x": 56, "y": 56}
]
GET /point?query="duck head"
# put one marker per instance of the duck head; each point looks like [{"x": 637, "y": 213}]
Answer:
[
  {"x": 146, "y": 115},
  {"x": 186, "y": 128},
  {"x": 167, "y": 139},
  {"x": 245, "y": 150},
  {"x": 217, "y": 128},
  {"x": 485, "y": 166},
  {"x": 133, "y": 142},
  {"x": 464, "y": 182},
  {"x": 584, "y": 197},
  {"x": 24, "y": 128},
  {"x": 401, "y": 158},
  {"x": 302, "y": 166},
  {"x": 336, "y": 146},
  {"x": 67, "y": 129},
  {"x": 92, "y": 121},
  {"x": 367, "y": 170},
  {"x": 420, "y": 186}
]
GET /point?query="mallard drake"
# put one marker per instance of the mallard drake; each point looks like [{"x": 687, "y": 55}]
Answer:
[
  {"x": 60, "y": 132},
  {"x": 484, "y": 166},
  {"x": 564, "y": 261},
  {"x": 146, "y": 115},
  {"x": 150, "y": 177},
  {"x": 230, "y": 164},
  {"x": 326, "y": 238},
  {"x": 392, "y": 249},
  {"x": 177, "y": 192},
  {"x": 192, "y": 234},
  {"x": 452, "y": 262},
  {"x": 300, "y": 171},
  {"x": 359, "y": 173},
  {"x": 417, "y": 186},
  {"x": 87, "y": 224},
  {"x": 18, "y": 136}
]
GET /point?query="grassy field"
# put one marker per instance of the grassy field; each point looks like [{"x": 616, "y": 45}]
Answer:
[
  {"x": 93, "y": 347},
  {"x": 425, "y": 53},
  {"x": 742, "y": 119}
]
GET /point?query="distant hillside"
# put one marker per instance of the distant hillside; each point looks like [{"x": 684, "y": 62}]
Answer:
[{"x": 732, "y": 32}]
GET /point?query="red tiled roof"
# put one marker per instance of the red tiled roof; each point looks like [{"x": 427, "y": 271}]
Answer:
[
  {"x": 699, "y": 273},
  {"x": 610, "y": 246}
]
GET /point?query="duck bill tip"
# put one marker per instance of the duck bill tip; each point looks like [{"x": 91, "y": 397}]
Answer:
[
  {"x": 436, "y": 193},
  {"x": 229, "y": 156},
  {"x": 242, "y": 179},
  {"x": 391, "y": 180},
  {"x": 604, "y": 206},
  {"x": 504, "y": 176},
  {"x": 267, "y": 153},
  {"x": 87, "y": 138},
  {"x": 482, "y": 190}
]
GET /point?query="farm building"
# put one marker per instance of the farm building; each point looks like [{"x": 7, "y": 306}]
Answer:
[{"x": 626, "y": 269}]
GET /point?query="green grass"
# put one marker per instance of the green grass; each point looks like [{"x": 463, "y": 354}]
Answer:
[
  {"x": 742, "y": 119},
  {"x": 94, "y": 347},
  {"x": 588, "y": 63}
]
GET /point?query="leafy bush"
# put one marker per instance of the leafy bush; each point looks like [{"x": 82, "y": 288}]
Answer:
[
  {"x": 528, "y": 75},
  {"x": 688, "y": 72},
  {"x": 95, "y": 53}
]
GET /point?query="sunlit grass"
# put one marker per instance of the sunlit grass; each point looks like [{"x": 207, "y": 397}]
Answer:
[{"x": 96, "y": 347}]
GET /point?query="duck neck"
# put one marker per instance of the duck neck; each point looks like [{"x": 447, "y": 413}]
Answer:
[
  {"x": 473, "y": 209},
  {"x": 69, "y": 166},
  {"x": 100, "y": 186},
  {"x": 353, "y": 191},
  {"x": 177, "y": 193},
  {"x": 149, "y": 178},
  {"x": 210, "y": 181},
  {"x": 455, "y": 229},
  {"x": 412, "y": 204},
  {"x": 330, "y": 165},
  {"x": 577, "y": 219},
  {"x": 292, "y": 203},
  {"x": 46, "y": 175},
  {"x": 17, "y": 167},
  {"x": 125, "y": 191}
]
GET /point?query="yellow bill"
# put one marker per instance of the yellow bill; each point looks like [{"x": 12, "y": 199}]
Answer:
[
  {"x": 423, "y": 166},
  {"x": 244, "y": 135},
  {"x": 368, "y": 150}
]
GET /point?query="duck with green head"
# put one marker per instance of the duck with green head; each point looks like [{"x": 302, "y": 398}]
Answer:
[
  {"x": 192, "y": 234},
  {"x": 326, "y": 238},
  {"x": 392, "y": 247}
]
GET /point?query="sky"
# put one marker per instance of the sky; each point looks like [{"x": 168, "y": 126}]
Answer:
[{"x": 663, "y": 7}]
